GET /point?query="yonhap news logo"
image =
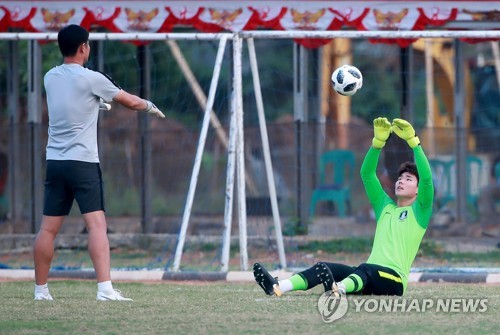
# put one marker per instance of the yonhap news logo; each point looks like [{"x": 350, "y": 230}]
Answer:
[
  {"x": 332, "y": 308},
  {"x": 438, "y": 305}
]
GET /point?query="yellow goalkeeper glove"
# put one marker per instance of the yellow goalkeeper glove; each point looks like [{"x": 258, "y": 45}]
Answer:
[
  {"x": 405, "y": 131},
  {"x": 382, "y": 131}
]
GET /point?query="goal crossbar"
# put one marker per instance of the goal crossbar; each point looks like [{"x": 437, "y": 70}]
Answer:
[{"x": 386, "y": 34}]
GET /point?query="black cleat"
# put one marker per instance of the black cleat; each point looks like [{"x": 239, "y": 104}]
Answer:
[
  {"x": 325, "y": 276},
  {"x": 268, "y": 283}
]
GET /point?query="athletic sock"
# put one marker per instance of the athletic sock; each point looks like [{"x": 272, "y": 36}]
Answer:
[
  {"x": 42, "y": 288},
  {"x": 285, "y": 285},
  {"x": 352, "y": 283},
  {"x": 299, "y": 283},
  {"x": 104, "y": 286}
]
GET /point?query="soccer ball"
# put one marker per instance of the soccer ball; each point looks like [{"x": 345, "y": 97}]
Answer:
[{"x": 347, "y": 80}]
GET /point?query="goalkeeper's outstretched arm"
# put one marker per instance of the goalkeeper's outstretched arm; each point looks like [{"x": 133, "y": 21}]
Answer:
[
  {"x": 136, "y": 103},
  {"x": 425, "y": 195},
  {"x": 374, "y": 190},
  {"x": 405, "y": 131}
]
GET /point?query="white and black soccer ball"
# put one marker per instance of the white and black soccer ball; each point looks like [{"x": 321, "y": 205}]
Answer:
[{"x": 347, "y": 80}]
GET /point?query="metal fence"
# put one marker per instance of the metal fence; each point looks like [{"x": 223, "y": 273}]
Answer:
[
  {"x": 173, "y": 151},
  {"x": 296, "y": 143}
]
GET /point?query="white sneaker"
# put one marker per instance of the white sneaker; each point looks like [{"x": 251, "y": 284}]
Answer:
[
  {"x": 43, "y": 296},
  {"x": 111, "y": 295}
]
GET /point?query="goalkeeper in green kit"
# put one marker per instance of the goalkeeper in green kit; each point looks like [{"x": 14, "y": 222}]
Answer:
[{"x": 401, "y": 225}]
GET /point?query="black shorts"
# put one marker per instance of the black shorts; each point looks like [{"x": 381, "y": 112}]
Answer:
[
  {"x": 66, "y": 181},
  {"x": 377, "y": 279}
]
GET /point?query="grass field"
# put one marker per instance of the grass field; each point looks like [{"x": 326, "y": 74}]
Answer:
[
  {"x": 206, "y": 257},
  {"x": 222, "y": 308}
]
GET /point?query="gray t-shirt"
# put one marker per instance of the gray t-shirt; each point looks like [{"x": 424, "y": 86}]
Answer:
[{"x": 73, "y": 94}]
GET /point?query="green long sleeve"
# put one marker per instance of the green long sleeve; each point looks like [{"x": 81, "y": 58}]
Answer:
[{"x": 399, "y": 230}]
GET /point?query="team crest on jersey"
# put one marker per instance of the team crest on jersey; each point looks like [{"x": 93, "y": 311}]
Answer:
[{"x": 403, "y": 215}]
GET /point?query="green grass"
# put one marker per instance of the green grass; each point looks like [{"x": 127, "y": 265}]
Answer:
[
  {"x": 362, "y": 245},
  {"x": 79, "y": 258},
  {"x": 222, "y": 308},
  {"x": 349, "y": 245},
  {"x": 206, "y": 256},
  {"x": 428, "y": 250}
]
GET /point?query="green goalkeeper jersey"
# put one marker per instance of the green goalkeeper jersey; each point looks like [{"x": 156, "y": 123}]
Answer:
[{"x": 399, "y": 229}]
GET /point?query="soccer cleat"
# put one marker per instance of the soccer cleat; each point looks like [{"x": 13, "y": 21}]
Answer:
[
  {"x": 43, "y": 296},
  {"x": 268, "y": 283},
  {"x": 325, "y": 276},
  {"x": 111, "y": 295}
]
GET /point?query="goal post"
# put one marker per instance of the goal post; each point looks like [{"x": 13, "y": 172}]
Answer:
[
  {"x": 199, "y": 153},
  {"x": 267, "y": 152}
]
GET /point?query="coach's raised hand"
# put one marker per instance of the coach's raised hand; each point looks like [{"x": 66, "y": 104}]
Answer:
[
  {"x": 405, "y": 131},
  {"x": 381, "y": 131},
  {"x": 152, "y": 109}
]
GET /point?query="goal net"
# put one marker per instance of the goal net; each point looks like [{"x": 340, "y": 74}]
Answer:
[{"x": 234, "y": 166}]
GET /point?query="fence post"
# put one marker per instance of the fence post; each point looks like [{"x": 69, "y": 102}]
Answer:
[
  {"x": 34, "y": 124},
  {"x": 143, "y": 53},
  {"x": 460, "y": 132}
]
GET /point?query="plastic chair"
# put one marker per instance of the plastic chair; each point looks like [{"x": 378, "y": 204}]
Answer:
[
  {"x": 474, "y": 171},
  {"x": 497, "y": 172},
  {"x": 497, "y": 179},
  {"x": 444, "y": 174},
  {"x": 4, "y": 204},
  {"x": 336, "y": 172}
]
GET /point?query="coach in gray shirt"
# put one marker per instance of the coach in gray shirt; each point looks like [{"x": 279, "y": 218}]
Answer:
[{"x": 73, "y": 173}]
